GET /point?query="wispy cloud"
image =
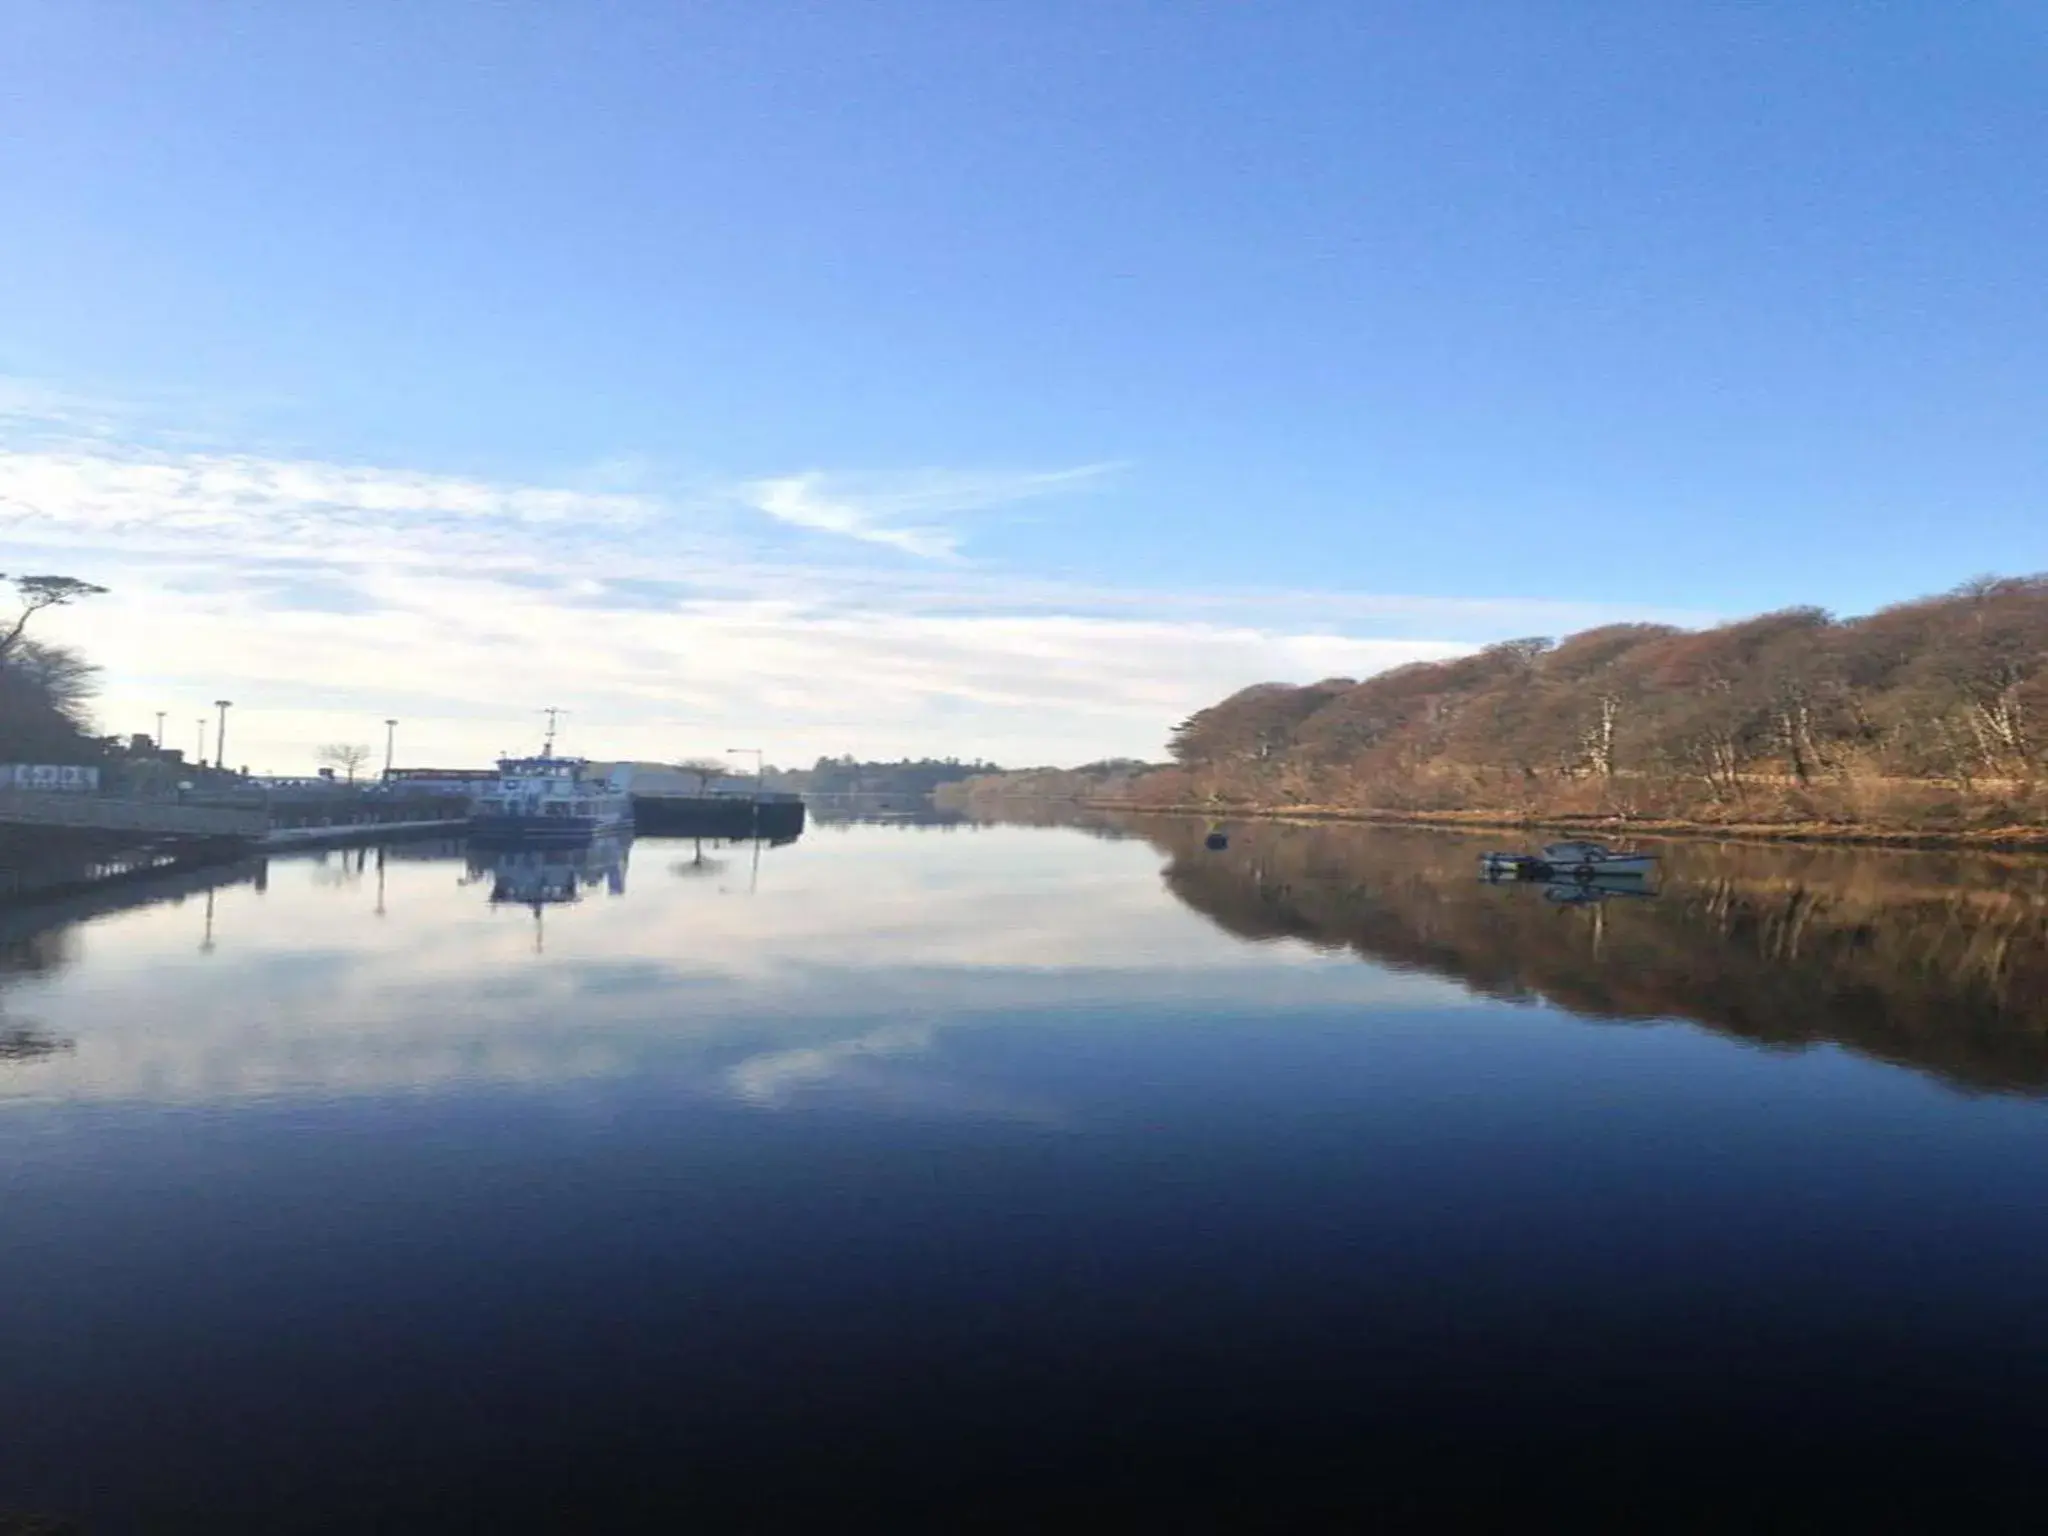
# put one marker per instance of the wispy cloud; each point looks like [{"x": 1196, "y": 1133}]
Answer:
[
  {"x": 324, "y": 595},
  {"x": 154, "y": 499},
  {"x": 912, "y": 513}
]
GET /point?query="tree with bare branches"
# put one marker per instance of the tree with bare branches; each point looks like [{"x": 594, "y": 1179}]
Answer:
[
  {"x": 62, "y": 676},
  {"x": 703, "y": 770},
  {"x": 38, "y": 593},
  {"x": 345, "y": 757},
  {"x": 1931, "y": 712}
]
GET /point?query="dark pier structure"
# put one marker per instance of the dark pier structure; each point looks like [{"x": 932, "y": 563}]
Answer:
[
  {"x": 56, "y": 844},
  {"x": 59, "y": 844},
  {"x": 777, "y": 817}
]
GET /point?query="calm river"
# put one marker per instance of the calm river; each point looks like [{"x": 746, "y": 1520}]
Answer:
[{"x": 985, "y": 1176}]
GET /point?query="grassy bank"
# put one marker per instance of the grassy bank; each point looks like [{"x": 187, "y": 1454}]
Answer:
[{"x": 2018, "y": 838}]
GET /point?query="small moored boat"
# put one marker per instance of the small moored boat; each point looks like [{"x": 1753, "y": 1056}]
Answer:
[
  {"x": 1569, "y": 861},
  {"x": 1596, "y": 859}
]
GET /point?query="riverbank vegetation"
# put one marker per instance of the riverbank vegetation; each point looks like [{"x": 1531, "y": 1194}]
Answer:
[
  {"x": 45, "y": 688},
  {"x": 1929, "y": 716}
]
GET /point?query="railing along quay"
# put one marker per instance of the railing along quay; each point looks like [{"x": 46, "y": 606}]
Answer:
[{"x": 107, "y": 813}]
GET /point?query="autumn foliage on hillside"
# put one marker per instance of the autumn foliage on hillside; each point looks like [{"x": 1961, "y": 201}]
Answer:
[
  {"x": 1931, "y": 710},
  {"x": 1929, "y": 714}
]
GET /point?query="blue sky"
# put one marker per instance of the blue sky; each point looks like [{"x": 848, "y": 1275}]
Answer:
[{"x": 992, "y": 378}]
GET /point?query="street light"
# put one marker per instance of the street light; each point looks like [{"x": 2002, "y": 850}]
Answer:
[
  {"x": 199, "y": 759},
  {"x": 755, "y": 818},
  {"x": 160, "y": 729},
  {"x": 220, "y": 736},
  {"x": 390, "y": 735}
]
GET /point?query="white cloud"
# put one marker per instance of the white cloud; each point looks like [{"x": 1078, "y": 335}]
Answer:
[
  {"x": 800, "y": 501},
  {"x": 324, "y": 597},
  {"x": 910, "y": 513},
  {"x": 253, "y": 506}
]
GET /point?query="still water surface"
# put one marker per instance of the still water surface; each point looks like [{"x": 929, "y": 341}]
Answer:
[{"x": 1007, "y": 1173}]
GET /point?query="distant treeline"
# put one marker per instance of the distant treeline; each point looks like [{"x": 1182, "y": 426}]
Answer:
[
  {"x": 1930, "y": 714},
  {"x": 908, "y": 779},
  {"x": 1110, "y": 780}
]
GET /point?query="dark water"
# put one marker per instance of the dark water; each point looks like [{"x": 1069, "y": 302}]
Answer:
[{"x": 960, "y": 1178}]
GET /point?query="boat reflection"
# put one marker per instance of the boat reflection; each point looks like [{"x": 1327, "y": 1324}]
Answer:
[
  {"x": 1582, "y": 893},
  {"x": 538, "y": 876}
]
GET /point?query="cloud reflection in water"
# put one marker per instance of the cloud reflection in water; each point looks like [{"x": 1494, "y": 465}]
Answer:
[{"x": 843, "y": 976}]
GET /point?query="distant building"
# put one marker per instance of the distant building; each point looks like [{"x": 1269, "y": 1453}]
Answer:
[
  {"x": 462, "y": 779},
  {"x": 668, "y": 780}
]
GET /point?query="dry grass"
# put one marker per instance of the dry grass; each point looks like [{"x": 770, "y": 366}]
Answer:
[{"x": 1996, "y": 835}]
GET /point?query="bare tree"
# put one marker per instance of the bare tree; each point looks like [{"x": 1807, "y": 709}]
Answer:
[
  {"x": 38, "y": 593},
  {"x": 704, "y": 770},
  {"x": 59, "y": 673},
  {"x": 347, "y": 756}
]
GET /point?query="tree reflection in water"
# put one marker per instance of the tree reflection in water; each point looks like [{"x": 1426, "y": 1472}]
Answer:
[
  {"x": 21, "y": 1042},
  {"x": 1935, "y": 961}
]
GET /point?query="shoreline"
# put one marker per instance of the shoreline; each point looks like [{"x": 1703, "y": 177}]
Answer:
[{"x": 2015, "y": 839}]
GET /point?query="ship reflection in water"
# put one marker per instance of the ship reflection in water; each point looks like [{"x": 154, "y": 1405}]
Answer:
[{"x": 539, "y": 876}]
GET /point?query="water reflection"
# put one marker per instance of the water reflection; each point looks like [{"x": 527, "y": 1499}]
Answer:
[
  {"x": 23, "y": 1042},
  {"x": 1937, "y": 961},
  {"x": 370, "y": 967},
  {"x": 38, "y": 937},
  {"x": 981, "y": 1156},
  {"x": 838, "y": 962},
  {"x": 539, "y": 877},
  {"x": 1586, "y": 893}
]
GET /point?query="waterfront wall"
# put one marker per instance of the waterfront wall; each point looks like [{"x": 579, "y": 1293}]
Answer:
[{"x": 777, "y": 819}]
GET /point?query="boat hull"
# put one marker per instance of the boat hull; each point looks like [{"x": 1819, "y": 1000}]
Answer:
[
  {"x": 1551, "y": 865},
  {"x": 545, "y": 829},
  {"x": 1619, "y": 866}
]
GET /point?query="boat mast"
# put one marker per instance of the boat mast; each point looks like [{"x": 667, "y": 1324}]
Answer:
[{"x": 548, "y": 747}]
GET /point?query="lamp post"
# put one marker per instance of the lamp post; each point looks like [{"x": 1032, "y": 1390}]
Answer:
[
  {"x": 160, "y": 729},
  {"x": 220, "y": 735},
  {"x": 390, "y": 736},
  {"x": 199, "y": 758},
  {"x": 754, "y": 820}
]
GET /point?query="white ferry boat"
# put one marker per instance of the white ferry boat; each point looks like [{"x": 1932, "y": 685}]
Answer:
[{"x": 549, "y": 799}]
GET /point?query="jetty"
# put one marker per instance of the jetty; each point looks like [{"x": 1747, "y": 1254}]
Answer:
[
  {"x": 679, "y": 802},
  {"x": 59, "y": 842},
  {"x": 258, "y": 822}
]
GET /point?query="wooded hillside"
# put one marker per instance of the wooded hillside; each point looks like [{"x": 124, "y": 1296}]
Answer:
[{"x": 1929, "y": 714}]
